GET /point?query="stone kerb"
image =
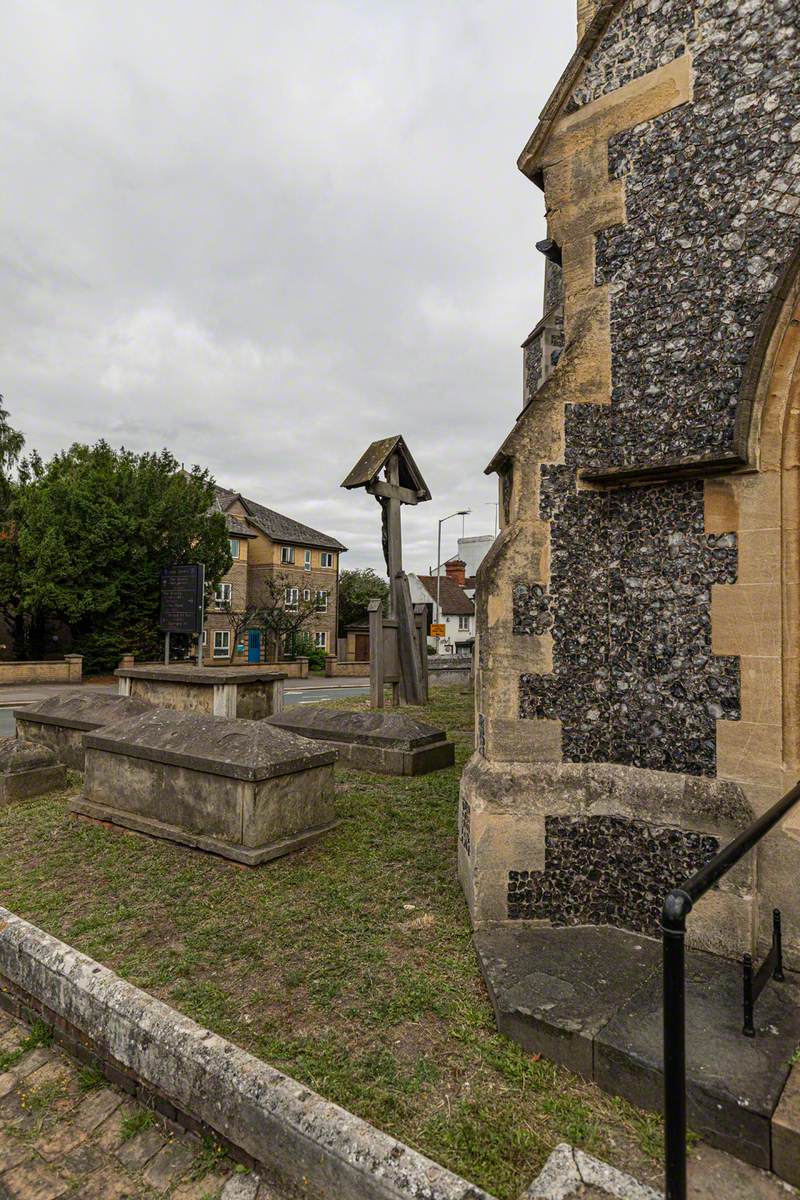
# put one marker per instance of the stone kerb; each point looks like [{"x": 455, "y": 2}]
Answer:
[{"x": 266, "y": 1115}]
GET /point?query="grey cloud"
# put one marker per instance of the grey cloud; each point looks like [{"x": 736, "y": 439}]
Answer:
[{"x": 265, "y": 234}]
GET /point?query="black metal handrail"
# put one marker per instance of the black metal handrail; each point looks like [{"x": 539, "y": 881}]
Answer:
[{"x": 677, "y": 906}]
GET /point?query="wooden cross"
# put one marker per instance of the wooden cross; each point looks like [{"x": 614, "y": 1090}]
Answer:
[{"x": 387, "y": 471}]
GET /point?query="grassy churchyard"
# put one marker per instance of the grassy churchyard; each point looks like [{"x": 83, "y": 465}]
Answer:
[{"x": 349, "y": 966}]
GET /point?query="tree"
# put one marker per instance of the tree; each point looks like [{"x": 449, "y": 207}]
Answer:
[
  {"x": 239, "y": 621},
  {"x": 283, "y": 610},
  {"x": 11, "y": 446},
  {"x": 95, "y": 527},
  {"x": 356, "y": 589}
]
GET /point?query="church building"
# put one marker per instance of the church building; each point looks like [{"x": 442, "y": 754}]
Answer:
[{"x": 638, "y": 617}]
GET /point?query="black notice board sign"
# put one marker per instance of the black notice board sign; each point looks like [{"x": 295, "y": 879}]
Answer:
[{"x": 182, "y": 599}]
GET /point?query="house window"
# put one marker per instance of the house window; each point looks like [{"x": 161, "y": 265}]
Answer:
[
  {"x": 287, "y": 554},
  {"x": 233, "y": 546},
  {"x": 321, "y": 640},
  {"x": 291, "y": 597},
  {"x": 222, "y": 643},
  {"x": 307, "y": 560},
  {"x": 223, "y": 593},
  {"x": 205, "y": 637},
  {"x": 463, "y": 623},
  {"x": 322, "y": 602},
  {"x": 326, "y": 559},
  {"x": 306, "y": 594}
]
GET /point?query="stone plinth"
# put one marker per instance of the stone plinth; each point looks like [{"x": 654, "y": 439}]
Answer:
[
  {"x": 61, "y": 721},
  {"x": 248, "y": 692},
  {"x": 391, "y": 743},
  {"x": 242, "y": 789},
  {"x": 27, "y": 769}
]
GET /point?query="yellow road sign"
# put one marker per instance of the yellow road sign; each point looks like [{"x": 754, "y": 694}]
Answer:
[{"x": 438, "y": 630}]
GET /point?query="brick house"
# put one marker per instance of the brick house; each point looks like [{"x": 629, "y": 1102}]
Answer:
[{"x": 263, "y": 544}]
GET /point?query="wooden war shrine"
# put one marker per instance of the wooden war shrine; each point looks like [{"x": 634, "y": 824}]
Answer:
[{"x": 398, "y": 641}]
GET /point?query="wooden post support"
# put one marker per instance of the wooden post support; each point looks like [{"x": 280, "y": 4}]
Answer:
[
  {"x": 376, "y": 653},
  {"x": 421, "y": 622},
  {"x": 394, "y": 551},
  {"x": 408, "y": 646}
]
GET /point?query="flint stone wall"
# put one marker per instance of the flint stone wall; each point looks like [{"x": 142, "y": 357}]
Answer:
[{"x": 712, "y": 203}]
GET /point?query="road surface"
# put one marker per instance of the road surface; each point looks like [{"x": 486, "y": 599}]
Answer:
[{"x": 297, "y": 691}]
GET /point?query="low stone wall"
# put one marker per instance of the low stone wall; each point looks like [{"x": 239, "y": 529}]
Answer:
[
  {"x": 296, "y": 669},
  {"x": 66, "y": 670},
  {"x": 207, "y": 1083},
  {"x": 446, "y": 670},
  {"x": 345, "y": 670}
]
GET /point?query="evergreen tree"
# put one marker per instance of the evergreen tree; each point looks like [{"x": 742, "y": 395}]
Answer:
[{"x": 94, "y": 528}]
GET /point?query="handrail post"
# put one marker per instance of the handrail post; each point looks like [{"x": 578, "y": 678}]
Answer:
[{"x": 676, "y": 909}]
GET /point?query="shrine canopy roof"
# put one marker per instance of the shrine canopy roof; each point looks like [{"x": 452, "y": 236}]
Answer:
[{"x": 374, "y": 459}]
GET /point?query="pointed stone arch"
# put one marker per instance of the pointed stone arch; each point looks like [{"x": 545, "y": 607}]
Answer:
[{"x": 758, "y": 618}]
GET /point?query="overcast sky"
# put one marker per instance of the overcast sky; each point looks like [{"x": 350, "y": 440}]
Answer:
[{"x": 264, "y": 234}]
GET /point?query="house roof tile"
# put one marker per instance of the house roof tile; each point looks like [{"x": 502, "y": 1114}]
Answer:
[
  {"x": 455, "y": 603},
  {"x": 275, "y": 525}
]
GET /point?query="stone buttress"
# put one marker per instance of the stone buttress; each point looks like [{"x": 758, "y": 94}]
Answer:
[{"x": 637, "y": 682}]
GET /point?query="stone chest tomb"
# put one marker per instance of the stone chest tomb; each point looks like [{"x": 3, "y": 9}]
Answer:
[
  {"x": 251, "y": 693},
  {"x": 61, "y": 721},
  {"x": 241, "y": 789},
  {"x": 27, "y": 769},
  {"x": 392, "y": 743}
]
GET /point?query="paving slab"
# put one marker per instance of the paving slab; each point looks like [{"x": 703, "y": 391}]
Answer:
[
  {"x": 96, "y": 1108},
  {"x": 168, "y": 1167},
  {"x": 67, "y": 1148},
  {"x": 734, "y": 1083},
  {"x": 33, "y": 1181},
  {"x": 138, "y": 1150},
  {"x": 554, "y": 989}
]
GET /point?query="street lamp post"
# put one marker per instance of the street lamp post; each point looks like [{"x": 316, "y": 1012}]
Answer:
[{"x": 462, "y": 512}]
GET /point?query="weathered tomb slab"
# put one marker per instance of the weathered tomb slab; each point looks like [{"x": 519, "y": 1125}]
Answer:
[
  {"x": 61, "y": 721},
  {"x": 27, "y": 769},
  {"x": 391, "y": 743},
  {"x": 241, "y": 789},
  {"x": 251, "y": 693},
  {"x": 734, "y": 1083},
  {"x": 554, "y": 989}
]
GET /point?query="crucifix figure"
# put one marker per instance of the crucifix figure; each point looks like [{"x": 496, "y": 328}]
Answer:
[{"x": 387, "y": 471}]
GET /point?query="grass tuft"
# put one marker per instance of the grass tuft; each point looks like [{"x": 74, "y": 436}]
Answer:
[{"x": 136, "y": 1122}]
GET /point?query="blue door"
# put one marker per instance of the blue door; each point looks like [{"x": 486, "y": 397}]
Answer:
[{"x": 254, "y": 645}]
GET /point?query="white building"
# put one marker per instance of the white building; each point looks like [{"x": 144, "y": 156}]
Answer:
[
  {"x": 457, "y": 610},
  {"x": 471, "y": 552}
]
